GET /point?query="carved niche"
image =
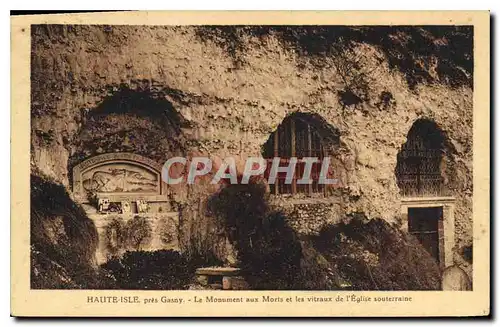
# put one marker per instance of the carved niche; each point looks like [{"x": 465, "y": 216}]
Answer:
[{"x": 117, "y": 177}]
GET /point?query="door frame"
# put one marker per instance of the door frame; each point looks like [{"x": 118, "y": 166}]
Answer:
[{"x": 446, "y": 226}]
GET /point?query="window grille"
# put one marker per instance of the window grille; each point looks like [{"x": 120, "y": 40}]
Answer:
[
  {"x": 295, "y": 138},
  {"x": 420, "y": 162}
]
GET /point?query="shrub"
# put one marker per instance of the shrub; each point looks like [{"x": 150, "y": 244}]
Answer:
[
  {"x": 115, "y": 234},
  {"x": 269, "y": 251},
  {"x": 373, "y": 255},
  {"x": 63, "y": 239},
  {"x": 158, "y": 270},
  {"x": 139, "y": 232},
  {"x": 362, "y": 255}
]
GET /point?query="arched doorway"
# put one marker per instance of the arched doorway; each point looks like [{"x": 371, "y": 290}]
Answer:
[{"x": 421, "y": 174}]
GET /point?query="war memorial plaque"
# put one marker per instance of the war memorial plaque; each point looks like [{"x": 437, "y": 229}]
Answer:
[{"x": 308, "y": 164}]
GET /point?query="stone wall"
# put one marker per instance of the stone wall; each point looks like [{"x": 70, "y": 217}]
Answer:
[
  {"x": 93, "y": 88},
  {"x": 140, "y": 232},
  {"x": 310, "y": 218}
]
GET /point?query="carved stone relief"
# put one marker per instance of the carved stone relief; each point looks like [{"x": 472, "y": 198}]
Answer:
[{"x": 113, "y": 174}]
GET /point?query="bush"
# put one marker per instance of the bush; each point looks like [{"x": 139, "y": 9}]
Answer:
[
  {"x": 63, "y": 239},
  {"x": 373, "y": 255},
  {"x": 269, "y": 250},
  {"x": 115, "y": 235},
  {"x": 158, "y": 270},
  {"x": 139, "y": 232},
  {"x": 362, "y": 255}
]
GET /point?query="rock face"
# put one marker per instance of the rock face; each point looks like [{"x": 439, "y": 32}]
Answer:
[{"x": 166, "y": 91}]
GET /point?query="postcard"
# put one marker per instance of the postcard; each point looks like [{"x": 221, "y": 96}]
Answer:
[{"x": 251, "y": 164}]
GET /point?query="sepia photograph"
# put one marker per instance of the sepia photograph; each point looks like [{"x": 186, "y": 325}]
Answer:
[{"x": 217, "y": 158}]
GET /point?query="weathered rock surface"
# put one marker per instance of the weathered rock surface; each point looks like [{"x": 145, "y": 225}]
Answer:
[{"x": 163, "y": 91}]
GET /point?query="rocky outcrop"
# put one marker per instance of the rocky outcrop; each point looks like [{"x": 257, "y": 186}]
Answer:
[{"x": 165, "y": 90}]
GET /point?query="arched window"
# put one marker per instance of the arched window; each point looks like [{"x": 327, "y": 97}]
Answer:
[
  {"x": 420, "y": 161},
  {"x": 295, "y": 137}
]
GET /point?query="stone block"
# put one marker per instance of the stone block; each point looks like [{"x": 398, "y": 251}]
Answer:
[
  {"x": 226, "y": 283},
  {"x": 202, "y": 280}
]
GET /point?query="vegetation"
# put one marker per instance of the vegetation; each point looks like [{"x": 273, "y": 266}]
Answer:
[
  {"x": 362, "y": 255},
  {"x": 373, "y": 255},
  {"x": 413, "y": 50},
  {"x": 268, "y": 249},
  {"x": 159, "y": 270},
  {"x": 63, "y": 239}
]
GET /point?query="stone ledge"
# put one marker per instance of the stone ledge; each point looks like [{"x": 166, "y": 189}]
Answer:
[
  {"x": 218, "y": 271},
  {"x": 426, "y": 200}
]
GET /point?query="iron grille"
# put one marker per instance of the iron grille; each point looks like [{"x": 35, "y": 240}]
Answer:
[{"x": 419, "y": 168}]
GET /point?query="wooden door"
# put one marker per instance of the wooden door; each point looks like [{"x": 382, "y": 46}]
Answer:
[{"x": 424, "y": 223}]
